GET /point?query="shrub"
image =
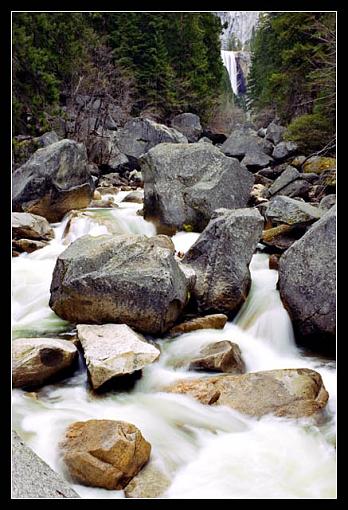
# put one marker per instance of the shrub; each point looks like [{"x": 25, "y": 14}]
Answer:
[{"x": 310, "y": 131}]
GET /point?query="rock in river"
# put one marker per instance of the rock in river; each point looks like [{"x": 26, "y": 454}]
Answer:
[
  {"x": 113, "y": 350},
  {"x": 222, "y": 356},
  {"x": 104, "y": 453},
  {"x": 127, "y": 279},
  {"x": 213, "y": 321}
]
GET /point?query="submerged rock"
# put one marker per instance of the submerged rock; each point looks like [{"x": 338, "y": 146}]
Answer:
[
  {"x": 189, "y": 125},
  {"x": 213, "y": 321},
  {"x": 151, "y": 482},
  {"x": 221, "y": 356},
  {"x": 113, "y": 350},
  {"x": 36, "y": 360},
  {"x": 293, "y": 393},
  {"x": 220, "y": 258},
  {"x": 129, "y": 279},
  {"x": 53, "y": 181},
  {"x": 307, "y": 283},
  {"x": 104, "y": 453},
  {"x": 185, "y": 183}
]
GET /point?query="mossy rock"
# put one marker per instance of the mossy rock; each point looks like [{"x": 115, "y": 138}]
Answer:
[
  {"x": 187, "y": 228},
  {"x": 319, "y": 164}
]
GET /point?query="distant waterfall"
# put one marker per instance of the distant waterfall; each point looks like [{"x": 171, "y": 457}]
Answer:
[{"x": 229, "y": 60}]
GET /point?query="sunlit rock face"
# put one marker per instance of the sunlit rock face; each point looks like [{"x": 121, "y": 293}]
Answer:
[{"x": 240, "y": 23}]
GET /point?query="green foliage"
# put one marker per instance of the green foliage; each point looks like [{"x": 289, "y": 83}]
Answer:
[
  {"x": 310, "y": 131},
  {"x": 293, "y": 73}
]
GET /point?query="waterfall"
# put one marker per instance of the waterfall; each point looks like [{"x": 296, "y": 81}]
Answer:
[
  {"x": 240, "y": 24},
  {"x": 229, "y": 60}
]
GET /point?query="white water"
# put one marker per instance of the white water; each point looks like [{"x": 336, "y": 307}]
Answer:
[
  {"x": 240, "y": 24},
  {"x": 207, "y": 452},
  {"x": 229, "y": 60}
]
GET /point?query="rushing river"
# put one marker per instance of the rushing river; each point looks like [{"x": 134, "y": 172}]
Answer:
[{"x": 206, "y": 452}]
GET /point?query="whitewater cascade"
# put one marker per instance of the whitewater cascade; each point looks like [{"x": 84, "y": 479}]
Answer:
[
  {"x": 229, "y": 60},
  {"x": 204, "y": 451}
]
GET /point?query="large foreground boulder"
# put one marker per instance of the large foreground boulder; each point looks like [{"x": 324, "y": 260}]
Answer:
[
  {"x": 53, "y": 181},
  {"x": 36, "y": 360},
  {"x": 129, "y": 279},
  {"x": 288, "y": 392},
  {"x": 139, "y": 135},
  {"x": 104, "y": 453},
  {"x": 307, "y": 283},
  {"x": 189, "y": 125},
  {"x": 113, "y": 350},
  {"x": 220, "y": 258},
  {"x": 185, "y": 183}
]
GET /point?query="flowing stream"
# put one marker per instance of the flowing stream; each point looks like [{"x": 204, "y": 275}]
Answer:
[{"x": 206, "y": 452}]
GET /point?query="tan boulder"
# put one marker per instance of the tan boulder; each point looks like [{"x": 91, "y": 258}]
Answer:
[
  {"x": 213, "y": 321},
  {"x": 222, "y": 356},
  {"x": 37, "y": 360},
  {"x": 287, "y": 392},
  {"x": 104, "y": 453},
  {"x": 113, "y": 350},
  {"x": 27, "y": 245}
]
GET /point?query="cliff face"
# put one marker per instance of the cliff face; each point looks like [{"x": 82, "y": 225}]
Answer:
[{"x": 240, "y": 24}]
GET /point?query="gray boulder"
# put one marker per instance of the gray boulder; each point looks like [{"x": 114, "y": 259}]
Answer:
[
  {"x": 47, "y": 138},
  {"x": 139, "y": 135},
  {"x": 307, "y": 283},
  {"x": 113, "y": 350},
  {"x": 185, "y": 183},
  {"x": 220, "y": 258},
  {"x": 289, "y": 183},
  {"x": 36, "y": 360},
  {"x": 53, "y": 181},
  {"x": 189, "y": 125},
  {"x": 282, "y": 209},
  {"x": 134, "y": 280},
  {"x": 255, "y": 159},
  {"x": 284, "y": 150},
  {"x": 275, "y": 133},
  {"x": 243, "y": 141},
  {"x": 328, "y": 202},
  {"x": 31, "y": 226},
  {"x": 222, "y": 356}
]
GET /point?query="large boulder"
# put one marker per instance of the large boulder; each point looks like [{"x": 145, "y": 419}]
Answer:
[
  {"x": 307, "y": 283},
  {"x": 185, "y": 183},
  {"x": 37, "y": 360},
  {"x": 275, "y": 133},
  {"x": 104, "y": 453},
  {"x": 129, "y": 279},
  {"x": 284, "y": 150},
  {"x": 220, "y": 258},
  {"x": 113, "y": 350},
  {"x": 213, "y": 321},
  {"x": 31, "y": 226},
  {"x": 53, "y": 181},
  {"x": 293, "y": 393},
  {"x": 224, "y": 356},
  {"x": 139, "y": 135},
  {"x": 290, "y": 183},
  {"x": 282, "y": 209},
  {"x": 244, "y": 143},
  {"x": 189, "y": 125}
]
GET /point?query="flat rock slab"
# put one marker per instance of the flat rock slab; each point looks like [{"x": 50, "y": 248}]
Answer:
[
  {"x": 32, "y": 477},
  {"x": 213, "y": 321},
  {"x": 282, "y": 209},
  {"x": 293, "y": 393},
  {"x": 113, "y": 350}
]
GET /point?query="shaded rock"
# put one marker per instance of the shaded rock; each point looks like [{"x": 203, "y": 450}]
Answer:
[
  {"x": 104, "y": 453},
  {"x": 189, "y": 125},
  {"x": 113, "y": 179},
  {"x": 272, "y": 173},
  {"x": 185, "y": 183},
  {"x": 282, "y": 209},
  {"x": 151, "y": 482},
  {"x": 284, "y": 150},
  {"x": 281, "y": 236},
  {"x": 134, "y": 280},
  {"x": 260, "y": 179},
  {"x": 136, "y": 197},
  {"x": 310, "y": 177},
  {"x": 222, "y": 356},
  {"x": 328, "y": 202},
  {"x": 307, "y": 283},
  {"x": 36, "y": 360},
  {"x": 28, "y": 245},
  {"x": 262, "y": 132},
  {"x": 298, "y": 162},
  {"x": 47, "y": 139},
  {"x": 32, "y": 477},
  {"x": 204, "y": 139},
  {"x": 319, "y": 164},
  {"x": 275, "y": 133},
  {"x": 31, "y": 226},
  {"x": 220, "y": 258},
  {"x": 107, "y": 190},
  {"x": 274, "y": 261},
  {"x": 139, "y": 135},
  {"x": 216, "y": 138},
  {"x": 256, "y": 159},
  {"x": 293, "y": 393},
  {"x": 113, "y": 350},
  {"x": 289, "y": 183},
  {"x": 54, "y": 180},
  {"x": 214, "y": 321},
  {"x": 245, "y": 142}
]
